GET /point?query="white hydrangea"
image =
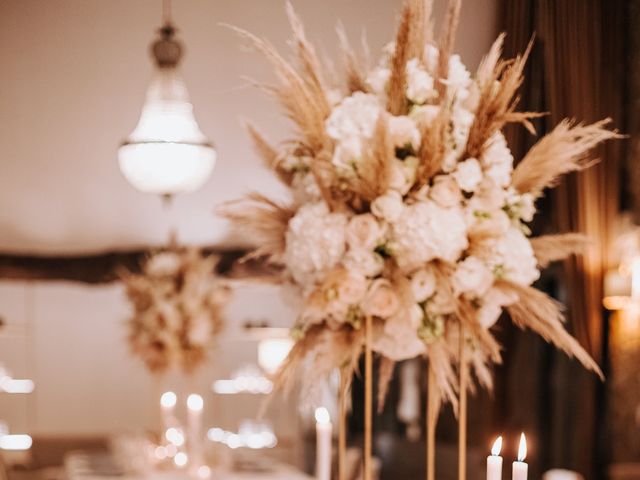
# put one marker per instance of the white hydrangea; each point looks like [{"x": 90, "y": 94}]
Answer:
[
  {"x": 315, "y": 241},
  {"x": 512, "y": 258},
  {"x": 425, "y": 231},
  {"x": 468, "y": 174},
  {"x": 419, "y": 83},
  {"x": 350, "y": 124}
]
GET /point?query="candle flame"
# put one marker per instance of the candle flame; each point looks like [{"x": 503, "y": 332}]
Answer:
[
  {"x": 497, "y": 446},
  {"x": 168, "y": 399},
  {"x": 322, "y": 416},
  {"x": 522, "y": 449}
]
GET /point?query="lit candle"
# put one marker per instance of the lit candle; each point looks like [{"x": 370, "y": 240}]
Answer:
[
  {"x": 520, "y": 468},
  {"x": 323, "y": 444},
  {"x": 195, "y": 404},
  {"x": 494, "y": 461}
]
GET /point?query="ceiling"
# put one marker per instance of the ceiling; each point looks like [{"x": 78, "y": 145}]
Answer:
[{"x": 74, "y": 74}]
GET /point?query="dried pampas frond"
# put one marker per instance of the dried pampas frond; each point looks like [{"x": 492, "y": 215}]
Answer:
[
  {"x": 551, "y": 248},
  {"x": 269, "y": 155},
  {"x": 421, "y": 28},
  {"x": 396, "y": 98},
  {"x": 565, "y": 149},
  {"x": 498, "y": 100},
  {"x": 385, "y": 374},
  {"x": 373, "y": 179},
  {"x": 301, "y": 95},
  {"x": 487, "y": 66},
  {"x": 355, "y": 72},
  {"x": 447, "y": 41},
  {"x": 542, "y": 314},
  {"x": 433, "y": 147},
  {"x": 441, "y": 358},
  {"x": 263, "y": 220}
]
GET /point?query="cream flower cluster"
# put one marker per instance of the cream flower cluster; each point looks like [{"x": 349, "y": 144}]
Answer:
[
  {"x": 382, "y": 262},
  {"x": 177, "y": 309}
]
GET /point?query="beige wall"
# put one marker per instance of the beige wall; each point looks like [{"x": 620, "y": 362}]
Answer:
[{"x": 73, "y": 78}]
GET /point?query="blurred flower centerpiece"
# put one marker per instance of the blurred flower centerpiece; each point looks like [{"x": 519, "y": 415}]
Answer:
[
  {"x": 178, "y": 306},
  {"x": 406, "y": 210}
]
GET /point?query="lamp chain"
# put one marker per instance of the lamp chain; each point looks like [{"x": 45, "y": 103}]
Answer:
[{"x": 166, "y": 11}]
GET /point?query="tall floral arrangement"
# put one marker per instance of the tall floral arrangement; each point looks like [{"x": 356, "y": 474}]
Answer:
[
  {"x": 406, "y": 207},
  {"x": 177, "y": 303}
]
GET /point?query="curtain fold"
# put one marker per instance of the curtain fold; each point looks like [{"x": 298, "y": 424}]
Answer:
[{"x": 577, "y": 70}]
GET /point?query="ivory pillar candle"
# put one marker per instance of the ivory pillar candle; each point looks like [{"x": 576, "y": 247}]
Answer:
[
  {"x": 324, "y": 431},
  {"x": 168, "y": 402},
  {"x": 195, "y": 405},
  {"x": 494, "y": 461},
  {"x": 520, "y": 468}
]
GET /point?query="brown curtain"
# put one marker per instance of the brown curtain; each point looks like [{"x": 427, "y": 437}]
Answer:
[{"x": 577, "y": 70}]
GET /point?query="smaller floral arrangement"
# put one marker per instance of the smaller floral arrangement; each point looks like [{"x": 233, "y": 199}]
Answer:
[{"x": 178, "y": 306}]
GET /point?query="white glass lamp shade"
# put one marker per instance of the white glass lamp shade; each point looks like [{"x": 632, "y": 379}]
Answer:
[{"x": 167, "y": 153}]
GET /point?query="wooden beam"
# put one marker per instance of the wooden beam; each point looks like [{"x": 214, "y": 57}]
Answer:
[{"x": 104, "y": 267}]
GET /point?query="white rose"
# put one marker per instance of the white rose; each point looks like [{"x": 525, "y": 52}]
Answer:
[
  {"x": 402, "y": 174},
  {"x": 397, "y": 338},
  {"x": 468, "y": 174},
  {"x": 346, "y": 155},
  {"x": 381, "y": 300},
  {"x": 426, "y": 231},
  {"x": 423, "y": 284},
  {"x": 363, "y": 232},
  {"x": 404, "y": 133},
  {"x": 472, "y": 277},
  {"x": 419, "y": 83},
  {"x": 445, "y": 191},
  {"x": 365, "y": 262},
  {"x": 388, "y": 206},
  {"x": 352, "y": 288},
  {"x": 441, "y": 303}
]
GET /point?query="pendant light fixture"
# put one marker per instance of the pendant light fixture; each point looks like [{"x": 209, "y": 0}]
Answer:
[{"x": 167, "y": 153}]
